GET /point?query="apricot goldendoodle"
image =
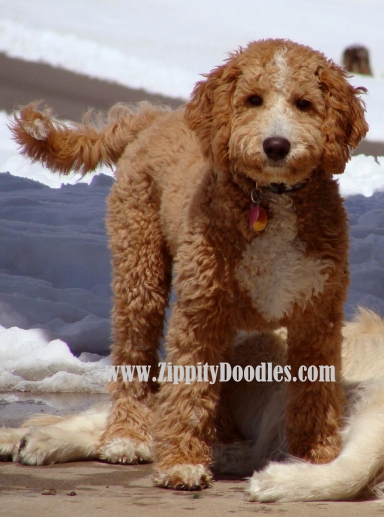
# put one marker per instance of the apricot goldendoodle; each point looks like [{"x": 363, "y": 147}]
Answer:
[{"x": 236, "y": 190}]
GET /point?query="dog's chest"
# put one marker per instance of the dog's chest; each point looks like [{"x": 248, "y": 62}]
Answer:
[{"x": 274, "y": 269}]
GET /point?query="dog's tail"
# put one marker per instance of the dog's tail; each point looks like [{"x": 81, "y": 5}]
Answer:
[
  {"x": 359, "y": 468},
  {"x": 357, "y": 471},
  {"x": 74, "y": 147}
]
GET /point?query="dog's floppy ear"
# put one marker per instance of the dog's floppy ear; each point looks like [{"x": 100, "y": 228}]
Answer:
[
  {"x": 209, "y": 112},
  {"x": 344, "y": 125}
]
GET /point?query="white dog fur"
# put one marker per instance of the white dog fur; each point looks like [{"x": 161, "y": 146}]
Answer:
[{"x": 258, "y": 410}]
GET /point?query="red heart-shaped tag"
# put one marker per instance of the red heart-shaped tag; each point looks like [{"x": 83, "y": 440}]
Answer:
[{"x": 253, "y": 214}]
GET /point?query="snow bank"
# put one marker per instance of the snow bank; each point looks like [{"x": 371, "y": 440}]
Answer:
[
  {"x": 54, "y": 261},
  {"x": 30, "y": 362}
]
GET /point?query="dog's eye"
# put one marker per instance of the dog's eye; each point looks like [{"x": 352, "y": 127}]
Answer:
[
  {"x": 255, "y": 100},
  {"x": 303, "y": 104}
]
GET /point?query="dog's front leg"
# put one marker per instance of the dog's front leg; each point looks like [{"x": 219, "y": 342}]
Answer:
[
  {"x": 315, "y": 395},
  {"x": 200, "y": 330}
]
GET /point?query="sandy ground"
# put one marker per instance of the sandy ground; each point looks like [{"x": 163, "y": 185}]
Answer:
[
  {"x": 93, "y": 488},
  {"x": 99, "y": 489}
]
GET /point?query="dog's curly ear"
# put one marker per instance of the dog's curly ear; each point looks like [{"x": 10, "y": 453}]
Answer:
[
  {"x": 344, "y": 125},
  {"x": 209, "y": 113}
]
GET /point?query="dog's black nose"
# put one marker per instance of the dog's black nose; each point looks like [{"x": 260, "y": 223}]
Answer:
[{"x": 276, "y": 148}]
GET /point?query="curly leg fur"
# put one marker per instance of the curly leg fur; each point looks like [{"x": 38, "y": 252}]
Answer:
[
  {"x": 314, "y": 409},
  {"x": 142, "y": 276},
  {"x": 184, "y": 427}
]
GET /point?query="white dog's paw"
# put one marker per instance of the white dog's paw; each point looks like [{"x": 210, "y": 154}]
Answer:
[
  {"x": 124, "y": 450},
  {"x": 39, "y": 448},
  {"x": 262, "y": 487},
  {"x": 183, "y": 477},
  {"x": 277, "y": 482},
  {"x": 10, "y": 442}
]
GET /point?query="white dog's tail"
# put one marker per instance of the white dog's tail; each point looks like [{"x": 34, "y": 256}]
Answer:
[
  {"x": 73, "y": 147},
  {"x": 357, "y": 470}
]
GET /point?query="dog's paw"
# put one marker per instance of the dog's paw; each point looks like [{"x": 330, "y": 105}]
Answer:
[
  {"x": 10, "y": 443},
  {"x": 263, "y": 488},
  {"x": 183, "y": 477},
  {"x": 39, "y": 448},
  {"x": 124, "y": 450},
  {"x": 280, "y": 482}
]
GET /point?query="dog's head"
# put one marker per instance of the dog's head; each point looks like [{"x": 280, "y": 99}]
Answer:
[{"x": 276, "y": 111}]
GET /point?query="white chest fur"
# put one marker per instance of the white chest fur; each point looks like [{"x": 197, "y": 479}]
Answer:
[{"x": 274, "y": 269}]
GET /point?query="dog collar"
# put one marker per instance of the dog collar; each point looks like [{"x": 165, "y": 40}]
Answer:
[
  {"x": 257, "y": 215},
  {"x": 283, "y": 188}
]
